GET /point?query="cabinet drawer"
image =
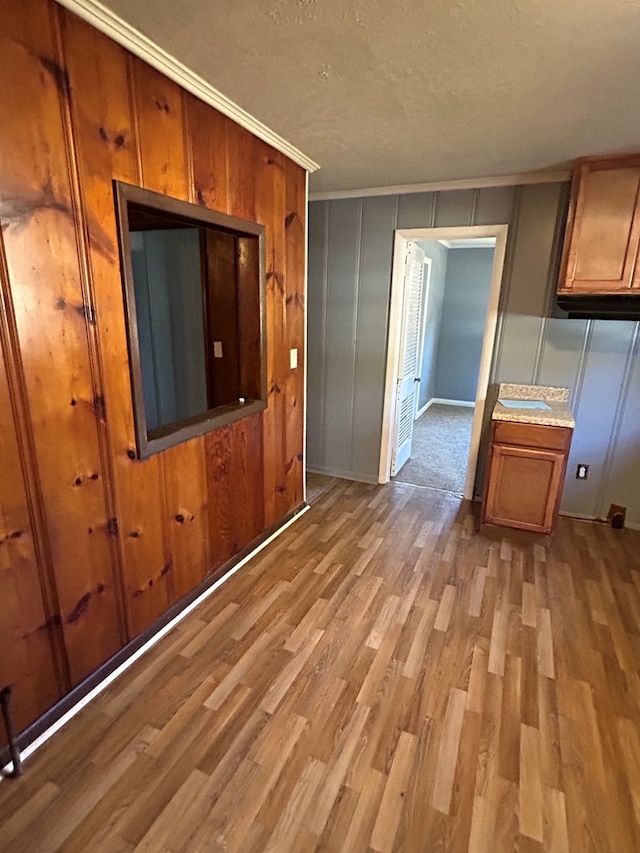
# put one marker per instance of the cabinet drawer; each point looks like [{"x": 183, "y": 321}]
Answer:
[{"x": 532, "y": 435}]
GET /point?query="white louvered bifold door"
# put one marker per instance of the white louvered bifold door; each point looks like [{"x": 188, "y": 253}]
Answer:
[{"x": 408, "y": 368}]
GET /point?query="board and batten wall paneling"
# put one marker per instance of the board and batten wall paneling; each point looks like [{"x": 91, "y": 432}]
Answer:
[
  {"x": 109, "y": 541},
  {"x": 317, "y": 307},
  {"x": 343, "y": 279},
  {"x": 374, "y": 267},
  {"x": 536, "y": 343}
]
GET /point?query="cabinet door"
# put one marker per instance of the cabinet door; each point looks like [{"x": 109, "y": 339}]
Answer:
[
  {"x": 524, "y": 487},
  {"x": 603, "y": 228}
]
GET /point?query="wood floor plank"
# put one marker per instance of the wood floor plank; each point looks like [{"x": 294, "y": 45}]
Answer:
[
  {"x": 381, "y": 677},
  {"x": 448, "y": 752},
  {"x": 392, "y": 802}
]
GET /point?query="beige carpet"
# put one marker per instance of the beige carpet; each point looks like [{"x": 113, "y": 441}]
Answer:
[{"x": 440, "y": 449}]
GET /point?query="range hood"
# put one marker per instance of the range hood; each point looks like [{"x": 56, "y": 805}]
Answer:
[{"x": 601, "y": 306}]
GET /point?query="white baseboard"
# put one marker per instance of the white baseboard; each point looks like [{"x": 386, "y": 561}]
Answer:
[
  {"x": 342, "y": 475},
  {"x": 66, "y": 717},
  {"x": 423, "y": 409},
  {"x": 470, "y": 404}
]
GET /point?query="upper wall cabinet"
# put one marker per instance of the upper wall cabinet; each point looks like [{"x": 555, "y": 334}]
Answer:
[{"x": 603, "y": 228}]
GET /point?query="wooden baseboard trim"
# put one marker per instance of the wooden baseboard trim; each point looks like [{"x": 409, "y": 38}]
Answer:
[{"x": 63, "y": 711}]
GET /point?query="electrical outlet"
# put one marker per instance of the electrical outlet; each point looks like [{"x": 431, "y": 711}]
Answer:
[{"x": 582, "y": 472}]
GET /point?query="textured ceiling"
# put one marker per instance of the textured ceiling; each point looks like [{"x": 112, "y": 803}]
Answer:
[{"x": 382, "y": 93}]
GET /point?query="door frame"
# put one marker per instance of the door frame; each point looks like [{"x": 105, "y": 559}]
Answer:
[
  {"x": 402, "y": 237},
  {"x": 426, "y": 288}
]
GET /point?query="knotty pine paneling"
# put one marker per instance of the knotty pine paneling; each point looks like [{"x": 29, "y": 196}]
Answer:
[
  {"x": 294, "y": 328},
  {"x": 271, "y": 212},
  {"x": 122, "y": 539},
  {"x": 27, "y": 628},
  {"x": 51, "y": 314},
  {"x": 106, "y": 151}
]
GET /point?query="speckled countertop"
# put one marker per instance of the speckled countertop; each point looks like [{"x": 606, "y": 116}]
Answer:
[{"x": 555, "y": 413}]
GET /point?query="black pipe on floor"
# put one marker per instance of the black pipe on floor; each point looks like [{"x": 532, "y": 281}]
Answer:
[{"x": 14, "y": 752}]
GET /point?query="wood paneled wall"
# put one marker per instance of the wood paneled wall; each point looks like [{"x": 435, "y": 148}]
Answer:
[{"x": 94, "y": 544}]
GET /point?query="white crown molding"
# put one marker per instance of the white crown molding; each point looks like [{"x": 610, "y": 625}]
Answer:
[
  {"x": 124, "y": 34},
  {"x": 440, "y": 186}
]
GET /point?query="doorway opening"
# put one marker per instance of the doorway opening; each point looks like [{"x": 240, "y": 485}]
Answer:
[{"x": 439, "y": 353}]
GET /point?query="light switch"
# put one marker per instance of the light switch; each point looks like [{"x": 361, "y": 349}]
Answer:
[
  {"x": 293, "y": 358},
  {"x": 217, "y": 349}
]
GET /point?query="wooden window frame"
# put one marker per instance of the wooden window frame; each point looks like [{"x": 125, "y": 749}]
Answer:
[{"x": 161, "y": 438}]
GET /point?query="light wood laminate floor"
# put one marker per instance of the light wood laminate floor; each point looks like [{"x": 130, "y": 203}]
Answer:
[{"x": 381, "y": 678}]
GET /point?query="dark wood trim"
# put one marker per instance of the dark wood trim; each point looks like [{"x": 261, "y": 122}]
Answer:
[
  {"x": 81, "y": 690},
  {"x": 149, "y": 442}
]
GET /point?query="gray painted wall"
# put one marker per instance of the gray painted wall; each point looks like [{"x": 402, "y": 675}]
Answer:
[
  {"x": 349, "y": 283},
  {"x": 433, "y": 306},
  {"x": 464, "y": 314}
]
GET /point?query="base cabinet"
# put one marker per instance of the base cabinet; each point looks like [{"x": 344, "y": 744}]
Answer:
[{"x": 525, "y": 474}]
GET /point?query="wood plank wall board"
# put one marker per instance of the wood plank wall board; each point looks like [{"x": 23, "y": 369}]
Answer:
[
  {"x": 186, "y": 518},
  {"x": 121, "y": 539},
  {"x": 608, "y": 354},
  {"x": 207, "y": 132},
  {"x": 454, "y": 208},
  {"x": 243, "y": 152},
  {"x": 417, "y": 210},
  {"x": 316, "y": 347},
  {"x": 219, "y": 460},
  {"x": 525, "y": 308},
  {"x": 342, "y": 274},
  {"x": 562, "y": 356},
  {"x": 30, "y": 668},
  {"x": 107, "y": 150},
  {"x": 247, "y": 470},
  {"x": 295, "y": 228},
  {"x": 494, "y": 205},
  {"x": 620, "y": 483},
  {"x": 158, "y": 107},
  {"x": 249, "y": 321},
  {"x": 222, "y": 314},
  {"x": 271, "y": 212},
  {"x": 42, "y": 255},
  {"x": 375, "y": 274}
]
